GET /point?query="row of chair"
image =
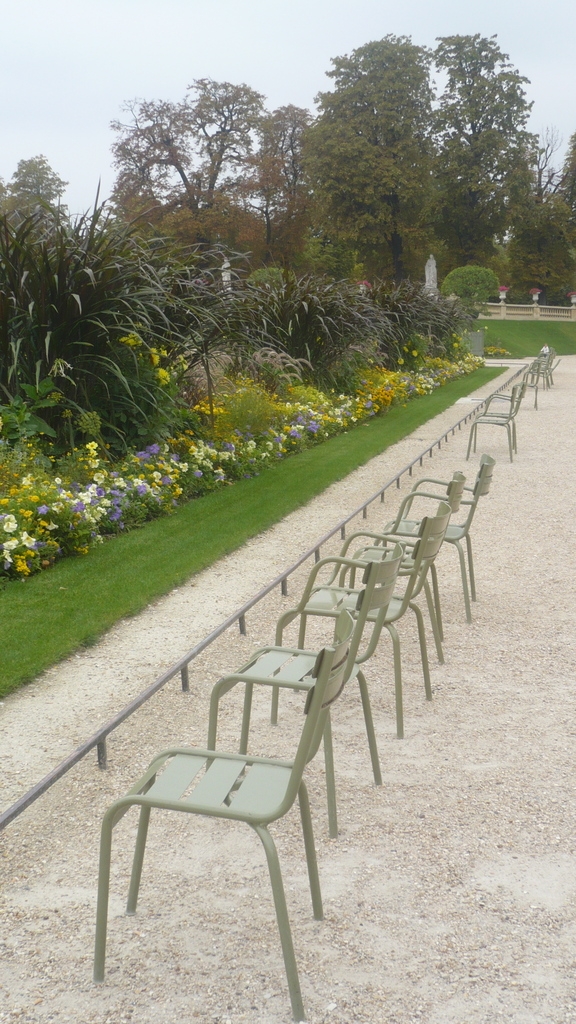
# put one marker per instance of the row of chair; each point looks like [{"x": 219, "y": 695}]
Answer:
[
  {"x": 357, "y": 589},
  {"x": 501, "y": 410}
]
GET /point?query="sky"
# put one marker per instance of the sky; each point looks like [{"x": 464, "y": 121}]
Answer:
[{"x": 68, "y": 65}]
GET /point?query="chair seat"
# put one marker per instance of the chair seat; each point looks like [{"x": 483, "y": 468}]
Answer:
[
  {"x": 331, "y": 601},
  {"x": 239, "y": 787}
]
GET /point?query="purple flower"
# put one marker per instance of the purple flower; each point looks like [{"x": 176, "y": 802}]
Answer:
[
  {"x": 166, "y": 480},
  {"x": 114, "y": 474},
  {"x": 198, "y": 473},
  {"x": 153, "y": 449},
  {"x": 99, "y": 491},
  {"x": 141, "y": 488},
  {"x": 277, "y": 440},
  {"x": 175, "y": 457},
  {"x": 114, "y": 514},
  {"x": 141, "y": 455},
  {"x": 367, "y": 405},
  {"x": 228, "y": 446},
  {"x": 313, "y": 428},
  {"x": 42, "y": 509},
  {"x": 294, "y": 433},
  {"x": 79, "y": 507}
]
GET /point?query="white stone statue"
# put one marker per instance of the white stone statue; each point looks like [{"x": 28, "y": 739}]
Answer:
[
  {"x": 226, "y": 275},
  {"x": 431, "y": 276}
]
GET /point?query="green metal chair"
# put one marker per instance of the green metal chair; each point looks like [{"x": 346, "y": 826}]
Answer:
[
  {"x": 548, "y": 365},
  {"x": 255, "y": 790},
  {"x": 283, "y": 667},
  {"x": 405, "y": 526},
  {"x": 458, "y": 532},
  {"x": 533, "y": 376},
  {"x": 328, "y": 599},
  {"x": 496, "y": 416}
]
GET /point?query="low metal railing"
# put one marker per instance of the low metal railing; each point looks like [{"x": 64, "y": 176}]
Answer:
[{"x": 98, "y": 739}]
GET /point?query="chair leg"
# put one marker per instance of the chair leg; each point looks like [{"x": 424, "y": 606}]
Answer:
[
  {"x": 423, "y": 650},
  {"x": 464, "y": 576},
  {"x": 302, "y": 631},
  {"x": 509, "y": 442},
  {"x": 274, "y": 705},
  {"x": 110, "y": 818},
  {"x": 434, "y": 623},
  {"x": 247, "y": 711},
  {"x": 472, "y": 432},
  {"x": 437, "y": 605},
  {"x": 369, "y": 722},
  {"x": 139, "y": 849},
  {"x": 397, "y": 680},
  {"x": 310, "y": 849},
  {"x": 471, "y": 567},
  {"x": 283, "y": 921},
  {"x": 330, "y": 779}
]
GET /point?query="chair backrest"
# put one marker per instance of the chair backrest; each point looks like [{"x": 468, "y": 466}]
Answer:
[
  {"x": 379, "y": 579},
  {"x": 430, "y": 537},
  {"x": 455, "y": 491},
  {"x": 484, "y": 476},
  {"x": 329, "y": 673}
]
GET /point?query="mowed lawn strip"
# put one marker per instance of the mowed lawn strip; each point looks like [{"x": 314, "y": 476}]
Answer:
[
  {"x": 47, "y": 617},
  {"x": 526, "y": 339}
]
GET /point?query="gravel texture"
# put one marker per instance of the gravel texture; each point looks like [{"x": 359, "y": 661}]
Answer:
[{"x": 450, "y": 892}]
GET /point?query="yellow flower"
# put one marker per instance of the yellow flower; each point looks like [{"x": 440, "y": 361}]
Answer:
[{"x": 163, "y": 377}]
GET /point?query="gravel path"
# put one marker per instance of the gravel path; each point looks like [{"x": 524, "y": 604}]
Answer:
[{"x": 450, "y": 893}]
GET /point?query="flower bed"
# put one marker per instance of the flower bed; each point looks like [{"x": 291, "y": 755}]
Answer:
[{"x": 47, "y": 512}]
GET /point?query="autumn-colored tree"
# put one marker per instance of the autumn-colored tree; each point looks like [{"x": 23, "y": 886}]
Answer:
[
  {"x": 188, "y": 156},
  {"x": 275, "y": 190},
  {"x": 368, "y": 155}
]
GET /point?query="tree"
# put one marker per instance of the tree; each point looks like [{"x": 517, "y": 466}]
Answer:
[
  {"x": 276, "y": 191},
  {"x": 190, "y": 155},
  {"x": 540, "y": 250},
  {"x": 568, "y": 186},
  {"x": 483, "y": 145},
  {"x": 368, "y": 155},
  {"x": 33, "y": 182}
]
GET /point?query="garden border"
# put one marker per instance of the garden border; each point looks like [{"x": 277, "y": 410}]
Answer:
[{"x": 98, "y": 739}]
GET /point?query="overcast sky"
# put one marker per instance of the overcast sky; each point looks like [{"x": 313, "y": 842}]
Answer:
[{"x": 68, "y": 65}]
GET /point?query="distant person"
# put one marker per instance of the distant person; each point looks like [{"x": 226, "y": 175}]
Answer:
[{"x": 544, "y": 351}]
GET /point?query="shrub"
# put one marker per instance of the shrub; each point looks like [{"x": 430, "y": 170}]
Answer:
[{"x": 471, "y": 283}]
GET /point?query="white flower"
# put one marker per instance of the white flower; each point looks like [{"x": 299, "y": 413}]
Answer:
[
  {"x": 9, "y": 545},
  {"x": 27, "y": 481},
  {"x": 10, "y": 524},
  {"x": 99, "y": 478},
  {"x": 28, "y": 541},
  {"x": 52, "y": 526}
]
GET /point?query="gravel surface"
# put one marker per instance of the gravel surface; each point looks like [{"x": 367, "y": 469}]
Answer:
[{"x": 450, "y": 892}]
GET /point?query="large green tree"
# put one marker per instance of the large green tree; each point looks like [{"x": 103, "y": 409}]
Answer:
[
  {"x": 482, "y": 162},
  {"x": 541, "y": 247},
  {"x": 368, "y": 155}
]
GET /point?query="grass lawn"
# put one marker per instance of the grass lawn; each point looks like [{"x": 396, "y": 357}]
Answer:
[
  {"x": 47, "y": 617},
  {"x": 526, "y": 338}
]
